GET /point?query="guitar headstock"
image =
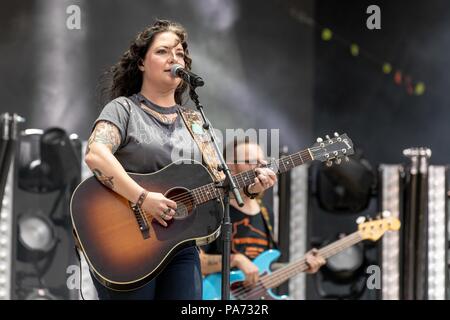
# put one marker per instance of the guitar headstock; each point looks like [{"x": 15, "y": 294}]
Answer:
[
  {"x": 374, "y": 229},
  {"x": 330, "y": 149}
]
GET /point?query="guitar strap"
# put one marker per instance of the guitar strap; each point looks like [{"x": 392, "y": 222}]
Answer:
[
  {"x": 194, "y": 124},
  {"x": 266, "y": 219}
]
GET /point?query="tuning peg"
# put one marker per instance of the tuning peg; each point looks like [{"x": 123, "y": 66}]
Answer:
[
  {"x": 360, "y": 220},
  {"x": 347, "y": 159},
  {"x": 338, "y": 160},
  {"x": 369, "y": 218},
  {"x": 329, "y": 163},
  {"x": 327, "y": 137},
  {"x": 319, "y": 140},
  {"x": 386, "y": 214},
  {"x": 336, "y": 134}
]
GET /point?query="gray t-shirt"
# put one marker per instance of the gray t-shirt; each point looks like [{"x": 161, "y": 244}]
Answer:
[{"x": 147, "y": 144}]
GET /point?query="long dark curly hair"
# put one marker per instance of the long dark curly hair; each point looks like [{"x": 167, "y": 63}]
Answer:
[{"x": 125, "y": 78}]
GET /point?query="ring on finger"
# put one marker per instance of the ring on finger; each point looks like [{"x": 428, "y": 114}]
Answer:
[{"x": 163, "y": 215}]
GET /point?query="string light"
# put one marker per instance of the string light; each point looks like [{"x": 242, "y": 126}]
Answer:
[
  {"x": 354, "y": 49},
  {"x": 327, "y": 34},
  {"x": 419, "y": 89},
  {"x": 398, "y": 77},
  {"x": 387, "y": 68}
]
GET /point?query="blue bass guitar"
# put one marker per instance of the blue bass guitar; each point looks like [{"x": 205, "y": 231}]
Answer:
[{"x": 371, "y": 230}]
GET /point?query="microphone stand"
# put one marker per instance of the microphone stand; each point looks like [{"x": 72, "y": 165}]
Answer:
[{"x": 229, "y": 186}]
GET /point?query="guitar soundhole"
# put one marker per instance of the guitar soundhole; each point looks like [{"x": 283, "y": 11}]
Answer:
[{"x": 184, "y": 200}]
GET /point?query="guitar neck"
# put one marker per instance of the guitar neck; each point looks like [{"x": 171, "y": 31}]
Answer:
[
  {"x": 281, "y": 275},
  {"x": 210, "y": 191},
  {"x": 281, "y": 165}
]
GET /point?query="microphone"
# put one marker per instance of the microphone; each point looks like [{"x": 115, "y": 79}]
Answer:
[{"x": 194, "y": 80}]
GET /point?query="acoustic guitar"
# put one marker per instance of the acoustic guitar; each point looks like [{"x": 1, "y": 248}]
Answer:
[{"x": 125, "y": 248}]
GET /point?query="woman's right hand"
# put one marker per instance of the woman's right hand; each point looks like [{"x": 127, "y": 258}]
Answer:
[
  {"x": 159, "y": 207},
  {"x": 250, "y": 269}
]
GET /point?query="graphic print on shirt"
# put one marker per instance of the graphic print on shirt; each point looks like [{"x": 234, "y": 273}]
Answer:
[
  {"x": 249, "y": 237},
  {"x": 180, "y": 140}
]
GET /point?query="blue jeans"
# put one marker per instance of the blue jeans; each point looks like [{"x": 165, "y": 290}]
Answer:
[{"x": 181, "y": 279}]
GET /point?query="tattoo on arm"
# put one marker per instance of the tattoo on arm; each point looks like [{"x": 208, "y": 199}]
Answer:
[
  {"x": 107, "y": 134},
  {"x": 107, "y": 181}
]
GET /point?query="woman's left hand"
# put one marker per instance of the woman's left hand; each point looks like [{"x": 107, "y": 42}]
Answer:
[{"x": 265, "y": 179}]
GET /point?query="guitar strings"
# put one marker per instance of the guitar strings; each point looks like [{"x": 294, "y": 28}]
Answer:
[
  {"x": 201, "y": 193},
  {"x": 186, "y": 197}
]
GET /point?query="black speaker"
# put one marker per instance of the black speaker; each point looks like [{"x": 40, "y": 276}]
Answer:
[
  {"x": 47, "y": 169},
  {"x": 338, "y": 196}
]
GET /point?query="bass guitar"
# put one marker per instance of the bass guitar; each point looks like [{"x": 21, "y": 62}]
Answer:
[{"x": 371, "y": 230}]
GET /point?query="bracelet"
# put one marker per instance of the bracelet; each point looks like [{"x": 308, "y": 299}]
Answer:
[
  {"x": 142, "y": 198},
  {"x": 248, "y": 193}
]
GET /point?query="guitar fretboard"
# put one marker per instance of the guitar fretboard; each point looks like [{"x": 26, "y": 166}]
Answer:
[
  {"x": 281, "y": 275},
  {"x": 210, "y": 191}
]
